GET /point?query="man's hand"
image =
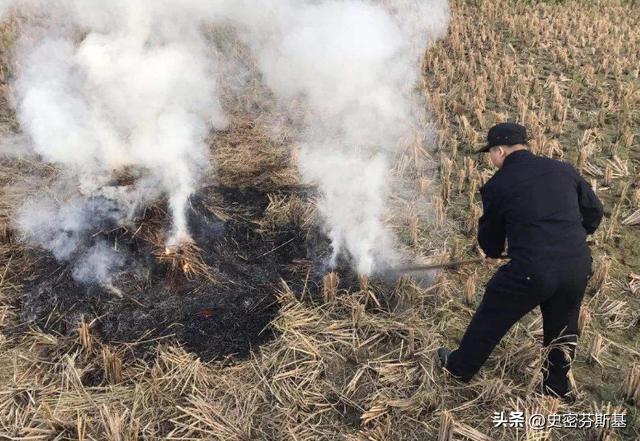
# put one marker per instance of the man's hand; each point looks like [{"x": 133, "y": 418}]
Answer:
[{"x": 491, "y": 260}]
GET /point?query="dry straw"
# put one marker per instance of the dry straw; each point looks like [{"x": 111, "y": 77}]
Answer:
[
  {"x": 632, "y": 384},
  {"x": 339, "y": 369},
  {"x": 330, "y": 286}
]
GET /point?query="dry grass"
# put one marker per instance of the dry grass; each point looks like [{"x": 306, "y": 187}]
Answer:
[{"x": 344, "y": 367}]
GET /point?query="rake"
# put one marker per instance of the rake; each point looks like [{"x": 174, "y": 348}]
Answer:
[{"x": 454, "y": 264}]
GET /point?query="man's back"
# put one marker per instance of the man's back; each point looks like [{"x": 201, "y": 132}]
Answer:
[{"x": 543, "y": 207}]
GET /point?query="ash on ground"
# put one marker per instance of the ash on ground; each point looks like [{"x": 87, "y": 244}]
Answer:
[{"x": 227, "y": 314}]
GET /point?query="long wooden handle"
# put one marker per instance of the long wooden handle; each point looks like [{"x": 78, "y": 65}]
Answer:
[{"x": 417, "y": 268}]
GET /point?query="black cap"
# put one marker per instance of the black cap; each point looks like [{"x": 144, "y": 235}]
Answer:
[{"x": 505, "y": 134}]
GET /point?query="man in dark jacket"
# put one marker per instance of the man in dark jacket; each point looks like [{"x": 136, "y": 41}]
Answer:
[{"x": 544, "y": 210}]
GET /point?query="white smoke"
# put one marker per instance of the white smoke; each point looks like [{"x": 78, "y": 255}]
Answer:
[
  {"x": 101, "y": 264},
  {"x": 354, "y": 64},
  {"x": 4, "y": 6},
  {"x": 108, "y": 87},
  {"x": 138, "y": 91},
  {"x": 131, "y": 84}
]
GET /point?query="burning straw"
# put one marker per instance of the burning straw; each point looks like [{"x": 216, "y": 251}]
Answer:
[{"x": 186, "y": 258}]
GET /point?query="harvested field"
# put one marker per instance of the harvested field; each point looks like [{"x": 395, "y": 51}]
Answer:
[{"x": 248, "y": 337}]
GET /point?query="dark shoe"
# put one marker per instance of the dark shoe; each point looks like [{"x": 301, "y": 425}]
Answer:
[
  {"x": 443, "y": 356},
  {"x": 443, "y": 361}
]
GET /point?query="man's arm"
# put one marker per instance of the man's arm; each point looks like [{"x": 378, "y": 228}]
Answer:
[
  {"x": 590, "y": 206},
  {"x": 491, "y": 228}
]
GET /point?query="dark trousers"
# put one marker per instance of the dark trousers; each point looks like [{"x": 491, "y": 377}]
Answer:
[{"x": 512, "y": 292}]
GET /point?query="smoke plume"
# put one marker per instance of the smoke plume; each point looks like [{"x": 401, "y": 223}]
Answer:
[
  {"x": 354, "y": 65},
  {"x": 129, "y": 87},
  {"x": 113, "y": 89}
]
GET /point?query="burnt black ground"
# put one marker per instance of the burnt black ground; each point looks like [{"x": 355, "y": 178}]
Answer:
[{"x": 212, "y": 320}]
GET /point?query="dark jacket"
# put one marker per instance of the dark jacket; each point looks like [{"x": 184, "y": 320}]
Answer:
[{"x": 542, "y": 207}]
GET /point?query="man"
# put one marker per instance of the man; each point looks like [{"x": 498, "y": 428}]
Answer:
[{"x": 545, "y": 210}]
